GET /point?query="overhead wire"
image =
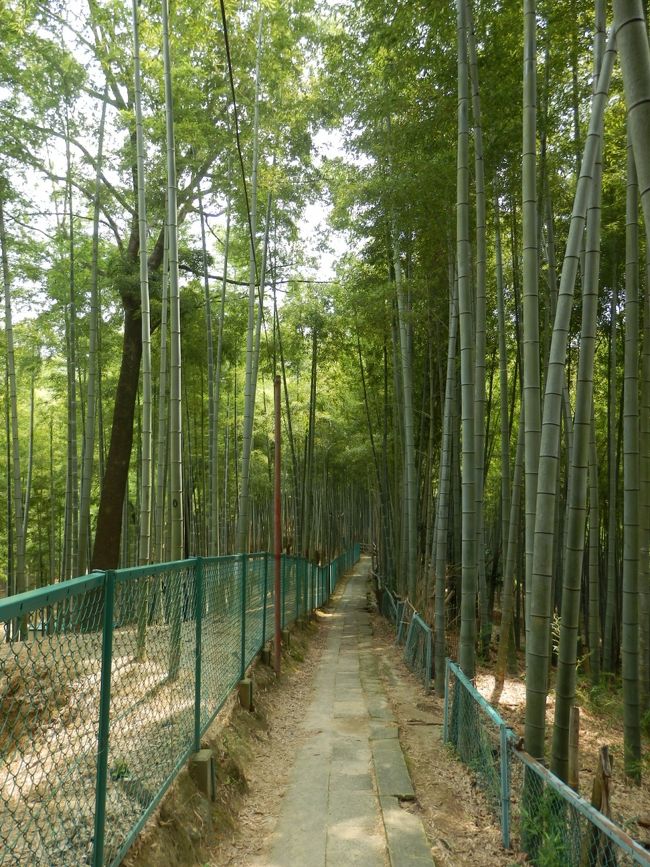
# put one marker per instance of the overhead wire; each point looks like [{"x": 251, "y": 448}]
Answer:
[
  {"x": 231, "y": 78},
  {"x": 226, "y": 40}
]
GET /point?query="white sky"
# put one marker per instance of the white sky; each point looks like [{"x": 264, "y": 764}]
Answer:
[
  {"x": 314, "y": 227},
  {"x": 320, "y": 242}
]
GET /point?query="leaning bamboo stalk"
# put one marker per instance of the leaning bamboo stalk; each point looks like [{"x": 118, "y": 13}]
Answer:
[
  {"x": 93, "y": 369},
  {"x": 540, "y": 613}
]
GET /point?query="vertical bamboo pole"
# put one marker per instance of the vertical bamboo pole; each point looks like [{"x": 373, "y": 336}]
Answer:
[{"x": 277, "y": 527}]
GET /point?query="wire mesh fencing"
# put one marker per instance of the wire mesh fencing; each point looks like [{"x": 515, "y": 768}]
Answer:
[
  {"x": 108, "y": 682},
  {"x": 405, "y": 612},
  {"x": 413, "y": 632},
  {"x": 480, "y": 738},
  {"x": 418, "y": 650},
  {"x": 388, "y": 606},
  {"x": 49, "y": 693},
  {"x": 538, "y": 813},
  {"x": 555, "y": 826}
]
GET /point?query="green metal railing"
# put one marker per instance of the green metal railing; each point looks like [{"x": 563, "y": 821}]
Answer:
[
  {"x": 114, "y": 681},
  {"x": 550, "y": 822},
  {"x": 537, "y": 812}
]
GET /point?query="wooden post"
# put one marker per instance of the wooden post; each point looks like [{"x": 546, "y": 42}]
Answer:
[{"x": 595, "y": 844}]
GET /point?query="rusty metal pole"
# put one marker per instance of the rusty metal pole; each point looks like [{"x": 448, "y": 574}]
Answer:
[{"x": 277, "y": 531}]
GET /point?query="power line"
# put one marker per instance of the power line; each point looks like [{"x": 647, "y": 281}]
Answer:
[{"x": 237, "y": 136}]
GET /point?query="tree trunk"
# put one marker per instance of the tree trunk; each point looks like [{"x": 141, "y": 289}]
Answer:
[{"x": 106, "y": 550}]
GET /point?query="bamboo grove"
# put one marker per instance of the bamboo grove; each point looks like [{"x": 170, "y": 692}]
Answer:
[{"x": 471, "y": 394}]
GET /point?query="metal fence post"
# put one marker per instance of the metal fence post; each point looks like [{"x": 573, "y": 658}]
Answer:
[
  {"x": 428, "y": 663},
  {"x": 198, "y": 613},
  {"x": 266, "y": 589},
  {"x": 104, "y": 720},
  {"x": 445, "y": 723},
  {"x": 505, "y": 787},
  {"x": 244, "y": 571},
  {"x": 284, "y": 587}
]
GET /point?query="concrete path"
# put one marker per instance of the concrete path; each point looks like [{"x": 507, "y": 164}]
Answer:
[{"x": 342, "y": 806}]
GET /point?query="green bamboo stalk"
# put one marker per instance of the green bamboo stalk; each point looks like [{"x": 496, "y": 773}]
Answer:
[
  {"x": 17, "y": 581},
  {"x": 531, "y": 372},
  {"x": 175, "y": 411},
  {"x": 479, "y": 355},
  {"x": 632, "y": 36},
  {"x": 630, "y": 612},
  {"x": 93, "y": 367},
  {"x": 444, "y": 487},
  {"x": 565, "y": 688},
  {"x": 467, "y": 652},
  {"x": 410, "y": 499},
  {"x": 249, "y": 390},
  {"x": 538, "y": 652}
]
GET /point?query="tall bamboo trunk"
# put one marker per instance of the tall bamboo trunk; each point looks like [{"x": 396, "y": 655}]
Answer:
[
  {"x": 565, "y": 689},
  {"x": 214, "y": 447},
  {"x": 630, "y": 608},
  {"x": 146, "y": 410},
  {"x": 634, "y": 51},
  {"x": 503, "y": 388},
  {"x": 249, "y": 389},
  {"x": 162, "y": 437},
  {"x": 17, "y": 579},
  {"x": 444, "y": 487},
  {"x": 72, "y": 493},
  {"x": 611, "y": 598},
  {"x": 538, "y": 652},
  {"x": 410, "y": 482},
  {"x": 479, "y": 356},
  {"x": 531, "y": 373},
  {"x": 644, "y": 508},
  {"x": 466, "y": 322},
  {"x": 308, "y": 476},
  {"x": 175, "y": 411},
  {"x": 211, "y": 499},
  {"x": 93, "y": 346}
]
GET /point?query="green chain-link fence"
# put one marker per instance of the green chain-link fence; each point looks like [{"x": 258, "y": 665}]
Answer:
[
  {"x": 412, "y": 631},
  {"x": 388, "y": 606},
  {"x": 418, "y": 649},
  {"x": 108, "y": 684},
  {"x": 480, "y": 738},
  {"x": 550, "y": 822}
]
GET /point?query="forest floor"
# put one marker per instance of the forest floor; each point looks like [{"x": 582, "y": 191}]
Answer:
[{"x": 255, "y": 753}]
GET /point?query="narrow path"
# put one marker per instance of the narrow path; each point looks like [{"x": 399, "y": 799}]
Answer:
[{"x": 349, "y": 779}]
